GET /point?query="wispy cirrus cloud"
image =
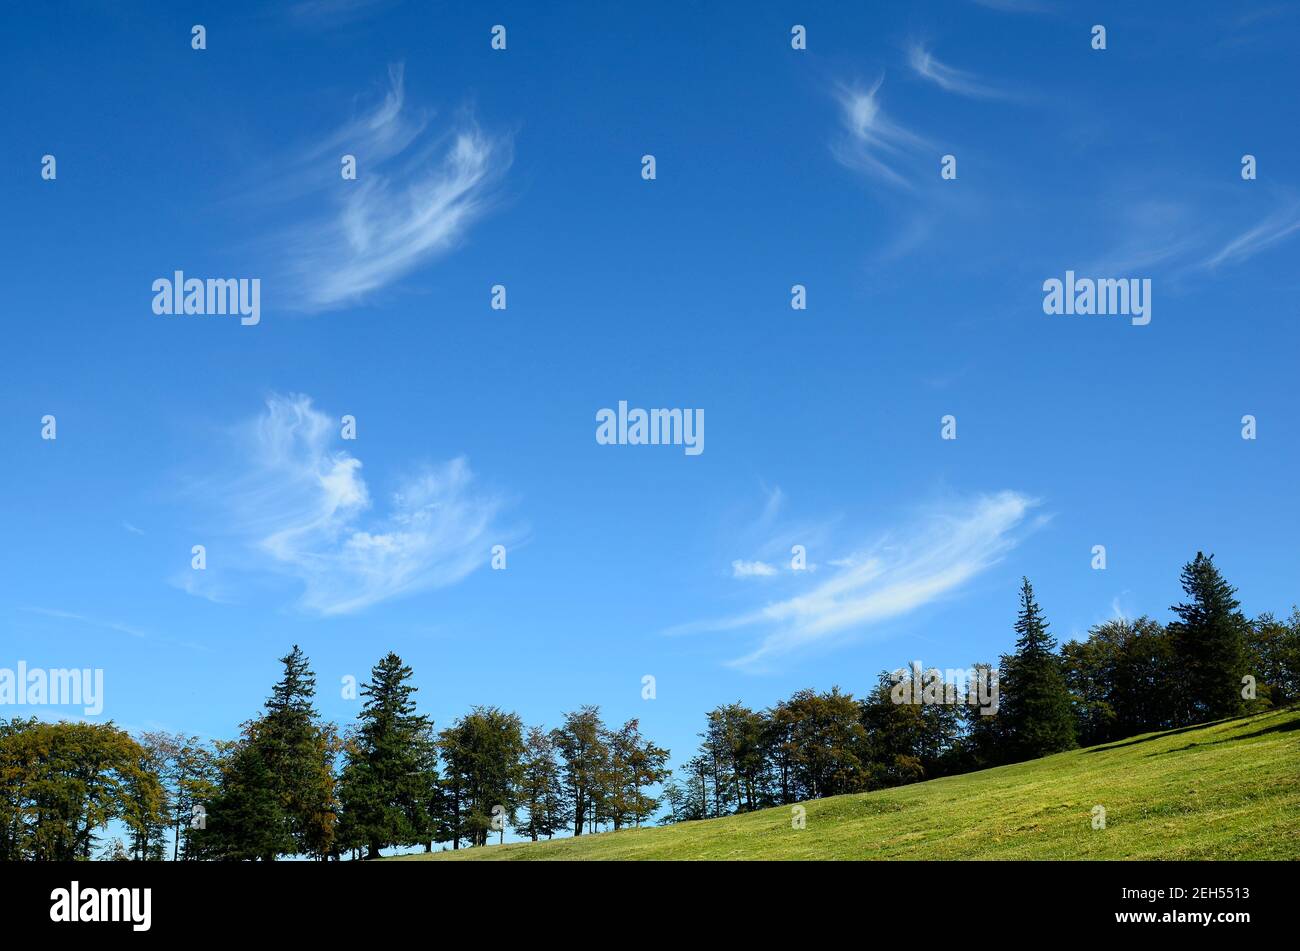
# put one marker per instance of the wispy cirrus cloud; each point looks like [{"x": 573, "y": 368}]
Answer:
[
  {"x": 1153, "y": 233},
  {"x": 1278, "y": 226},
  {"x": 304, "y": 507},
  {"x": 115, "y": 626},
  {"x": 93, "y": 622},
  {"x": 774, "y": 501},
  {"x": 417, "y": 192},
  {"x": 900, "y": 573},
  {"x": 946, "y": 77},
  {"x": 872, "y": 142}
]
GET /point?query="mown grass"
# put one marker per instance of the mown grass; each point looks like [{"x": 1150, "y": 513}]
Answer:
[{"x": 1227, "y": 790}]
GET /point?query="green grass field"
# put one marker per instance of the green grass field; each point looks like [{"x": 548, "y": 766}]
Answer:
[{"x": 1229, "y": 790}]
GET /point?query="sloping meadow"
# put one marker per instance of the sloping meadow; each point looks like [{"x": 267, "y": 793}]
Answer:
[{"x": 1227, "y": 790}]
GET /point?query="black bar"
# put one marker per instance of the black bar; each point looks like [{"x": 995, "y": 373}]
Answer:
[{"x": 951, "y": 903}]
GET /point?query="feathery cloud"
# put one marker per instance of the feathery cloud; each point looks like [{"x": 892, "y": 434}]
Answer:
[
  {"x": 304, "y": 506},
  {"x": 889, "y": 579},
  {"x": 414, "y": 198},
  {"x": 872, "y": 140}
]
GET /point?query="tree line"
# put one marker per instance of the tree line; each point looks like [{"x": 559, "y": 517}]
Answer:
[
  {"x": 1127, "y": 677},
  {"x": 295, "y": 784},
  {"x": 292, "y": 783}
]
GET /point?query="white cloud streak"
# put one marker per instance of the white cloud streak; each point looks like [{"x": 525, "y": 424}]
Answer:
[
  {"x": 115, "y": 626},
  {"x": 890, "y": 579},
  {"x": 1273, "y": 229},
  {"x": 957, "y": 81}
]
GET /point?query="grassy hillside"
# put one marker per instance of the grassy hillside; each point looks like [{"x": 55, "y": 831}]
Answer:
[{"x": 1224, "y": 791}]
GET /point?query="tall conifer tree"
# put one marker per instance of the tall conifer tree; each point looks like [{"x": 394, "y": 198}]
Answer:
[
  {"x": 299, "y": 752},
  {"x": 389, "y": 788},
  {"x": 1209, "y": 645},
  {"x": 1035, "y": 711}
]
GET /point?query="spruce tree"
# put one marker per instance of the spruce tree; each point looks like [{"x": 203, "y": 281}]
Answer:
[
  {"x": 246, "y": 819},
  {"x": 299, "y": 752},
  {"x": 389, "y": 787},
  {"x": 1036, "y": 713},
  {"x": 1209, "y": 645},
  {"x": 275, "y": 794}
]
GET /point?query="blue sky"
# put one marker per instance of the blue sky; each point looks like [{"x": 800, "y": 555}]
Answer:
[{"x": 476, "y": 427}]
